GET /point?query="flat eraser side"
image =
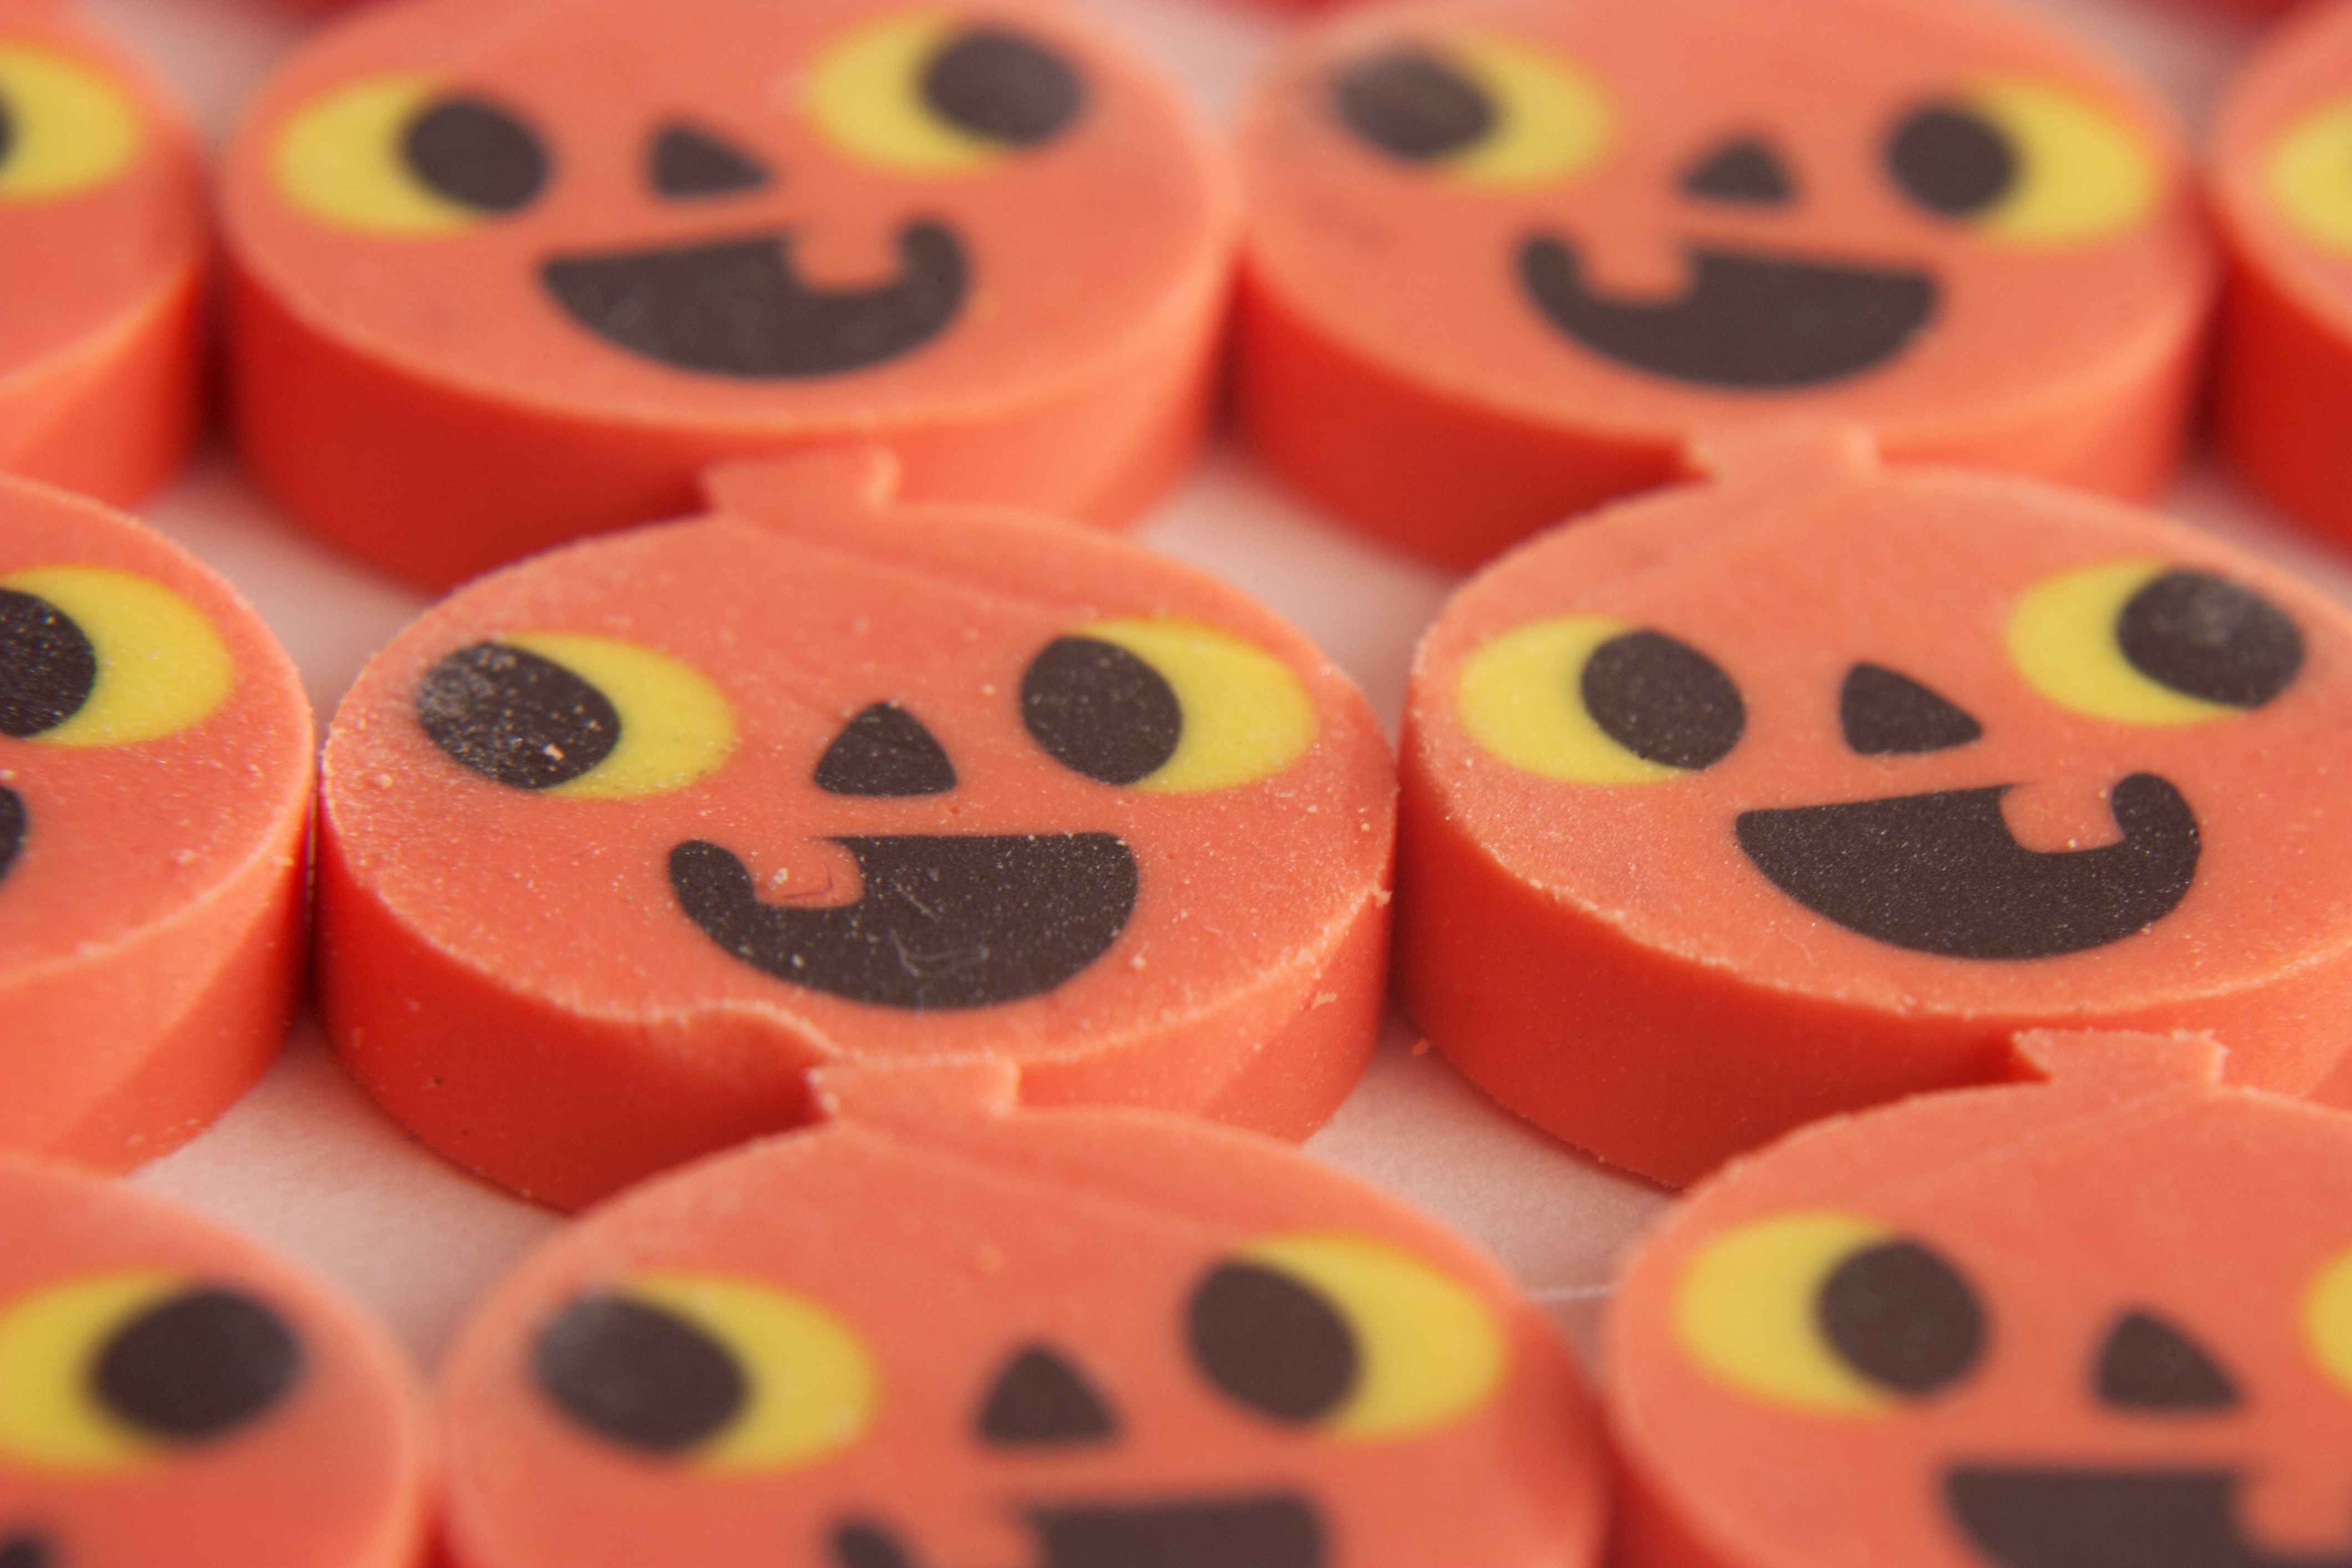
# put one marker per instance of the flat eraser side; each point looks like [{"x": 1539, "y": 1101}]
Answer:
[
  {"x": 1807, "y": 788},
  {"x": 893, "y": 1338},
  {"x": 668, "y": 818},
  {"x": 1505, "y": 258},
  {"x": 473, "y": 316},
  {"x": 2104, "y": 1315},
  {"x": 171, "y": 1393},
  {"x": 155, "y": 780}
]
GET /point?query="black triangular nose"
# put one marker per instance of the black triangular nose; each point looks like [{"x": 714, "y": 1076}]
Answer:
[
  {"x": 2149, "y": 1364},
  {"x": 1040, "y": 1399},
  {"x": 1885, "y": 713},
  {"x": 1744, "y": 169},
  {"x": 688, "y": 162},
  {"x": 885, "y": 751}
]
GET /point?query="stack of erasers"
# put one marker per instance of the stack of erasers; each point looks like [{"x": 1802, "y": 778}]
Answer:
[{"x": 916, "y": 925}]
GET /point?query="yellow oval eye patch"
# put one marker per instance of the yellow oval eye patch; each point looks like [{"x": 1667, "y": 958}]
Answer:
[
  {"x": 2327, "y": 1319},
  {"x": 1246, "y": 716},
  {"x": 1428, "y": 1350},
  {"x": 2308, "y": 172},
  {"x": 339, "y": 159},
  {"x": 1588, "y": 700},
  {"x": 68, "y": 127},
  {"x": 1479, "y": 108},
  {"x": 2141, "y": 642},
  {"x": 2027, "y": 163},
  {"x": 1746, "y": 1311},
  {"x": 726, "y": 1374},
  {"x": 145, "y": 662},
  {"x": 49, "y": 1341},
  {"x": 928, "y": 94}
]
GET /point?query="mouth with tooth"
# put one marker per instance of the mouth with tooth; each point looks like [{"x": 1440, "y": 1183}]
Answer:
[
  {"x": 1275, "y": 1531},
  {"x": 1941, "y": 873},
  {"x": 738, "y": 308},
  {"x": 1744, "y": 322},
  {"x": 2066, "y": 1517},
  {"x": 943, "y": 921}
]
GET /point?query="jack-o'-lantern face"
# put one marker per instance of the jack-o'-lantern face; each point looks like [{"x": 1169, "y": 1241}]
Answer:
[
  {"x": 101, "y": 200},
  {"x": 2279, "y": 145},
  {"x": 931, "y": 785},
  {"x": 1936, "y": 741},
  {"x": 2106, "y": 1319},
  {"x": 894, "y": 1342},
  {"x": 724, "y": 207},
  {"x": 155, "y": 756},
  {"x": 1654, "y": 217},
  {"x": 165, "y": 1392}
]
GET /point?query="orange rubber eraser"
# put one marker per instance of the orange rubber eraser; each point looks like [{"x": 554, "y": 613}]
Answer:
[
  {"x": 507, "y": 271},
  {"x": 1505, "y": 258},
  {"x": 171, "y": 1393},
  {"x": 2103, "y": 1318},
  {"x": 617, "y": 843},
  {"x": 103, "y": 192},
  {"x": 2285, "y": 384},
  {"x": 938, "y": 1329},
  {"x": 155, "y": 773},
  {"x": 1806, "y": 789}
]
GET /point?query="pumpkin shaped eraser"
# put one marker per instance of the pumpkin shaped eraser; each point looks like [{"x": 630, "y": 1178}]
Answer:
[
  {"x": 938, "y": 1329},
  {"x": 1807, "y": 788},
  {"x": 102, "y": 204},
  {"x": 1507, "y": 258},
  {"x": 617, "y": 843},
  {"x": 172, "y": 1394},
  {"x": 2285, "y": 384},
  {"x": 507, "y": 271},
  {"x": 155, "y": 768},
  {"x": 2104, "y": 1317}
]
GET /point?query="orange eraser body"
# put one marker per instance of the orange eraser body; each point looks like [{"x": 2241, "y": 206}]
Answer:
[
  {"x": 1756, "y": 800},
  {"x": 1505, "y": 258},
  {"x": 155, "y": 771},
  {"x": 942, "y": 1330},
  {"x": 172, "y": 1394},
  {"x": 507, "y": 271},
  {"x": 617, "y": 843},
  {"x": 2284, "y": 387},
  {"x": 2101, "y": 1319},
  {"x": 102, "y": 204}
]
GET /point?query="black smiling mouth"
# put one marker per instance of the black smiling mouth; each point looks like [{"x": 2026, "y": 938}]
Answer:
[
  {"x": 1746, "y": 322},
  {"x": 1274, "y": 1530},
  {"x": 737, "y": 307},
  {"x": 1941, "y": 873},
  {"x": 2066, "y": 1517},
  {"x": 944, "y": 921},
  {"x": 13, "y": 824}
]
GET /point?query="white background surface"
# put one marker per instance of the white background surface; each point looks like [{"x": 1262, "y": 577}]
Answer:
[{"x": 306, "y": 1163}]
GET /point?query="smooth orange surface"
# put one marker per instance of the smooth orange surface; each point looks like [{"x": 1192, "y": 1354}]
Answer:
[
  {"x": 1394, "y": 367},
  {"x": 2129, "y": 1182},
  {"x": 1608, "y": 962},
  {"x": 422, "y": 400},
  {"x": 2284, "y": 386},
  {"x": 152, "y": 927},
  {"x": 512, "y": 976},
  {"x": 948, "y": 1232},
  {"x": 335, "y": 1472},
  {"x": 100, "y": 348}
]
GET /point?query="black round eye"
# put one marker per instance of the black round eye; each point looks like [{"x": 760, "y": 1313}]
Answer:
[
  {"x": 1272, "y": 1343},
  {"x": 1099, "y": 711},
  {"x": 476, "y": 154},
  {"x": 638, "y": 1374},
  {"x": 1951, "y": 160},
  {"x": 199, "y": 1365},
  {"x": 514, "y": 717},
  {"x": 1662, "y": 701},
  {"x": 48, "y": 668},
  {"x": 1902, "y": 1317},
  {"x": 1411, "y": 105},
  {"x": 1004, "y": 87},
  {"x": 2205, "y": 637}
]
